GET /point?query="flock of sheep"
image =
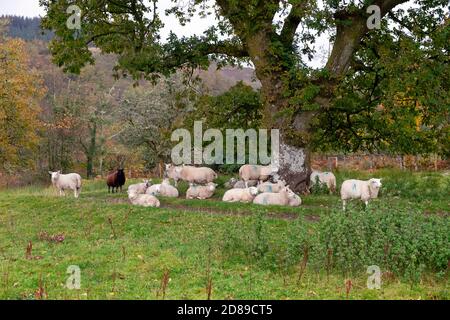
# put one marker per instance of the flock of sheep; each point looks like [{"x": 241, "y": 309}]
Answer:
[{"x": 258, "y": 184}]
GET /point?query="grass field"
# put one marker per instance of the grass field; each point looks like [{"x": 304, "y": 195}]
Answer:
[{"x": 195, "y": 249}]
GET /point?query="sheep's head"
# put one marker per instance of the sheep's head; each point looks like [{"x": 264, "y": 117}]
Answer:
[
  {"x": 374, "y": 187},
  {"x": 55, "y": 175},
  {"x": 148, "y": 183},
  {"x": 375, "y": 183},
  {"x": 253, "y": 191},
  {"x": 212, "y": 186}
]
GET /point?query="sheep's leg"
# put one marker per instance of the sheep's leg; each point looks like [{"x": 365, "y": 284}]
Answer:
[
  {"x": 366, "y": 203},
  {"x": 246, "y": 184},
  {"x": 75, "y": 193},
  {"x": 344, "y": 202}
]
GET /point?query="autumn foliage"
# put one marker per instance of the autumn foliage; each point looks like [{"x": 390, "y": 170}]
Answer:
[{"x": 20, "y": 93}]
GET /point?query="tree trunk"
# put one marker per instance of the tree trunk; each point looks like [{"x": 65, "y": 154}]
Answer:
[{"x": 295, "y": 167}]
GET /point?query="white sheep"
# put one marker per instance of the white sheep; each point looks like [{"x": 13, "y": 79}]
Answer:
[
  {"x": 139, "y": 188},
  {"x": 271, "y": 187},
  {"x": 193, "y": 175},
  {"x": 359, "y": 189},
  {"x": 166, "y": 190},
  {"x": 295, "y": 201},
  {"x": 240, "y": 195},
  {"x": 239, "y": 184},
  {"x": 144, "y": 200},
  {"x": 71, "y": 181},
  {"x": 201, "y": 192},
  {"x": 154, "y": 190},
  {"x": 281, "y": 198},
  {"x": 256, "y": 172},
  {"x": 326, "y": 178}
]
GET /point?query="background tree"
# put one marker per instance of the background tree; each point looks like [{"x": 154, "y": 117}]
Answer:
[
  {"x": 294, "y": 95},
  {"x": 20, "y": 93},
  {"x": 150, "y": 113}
]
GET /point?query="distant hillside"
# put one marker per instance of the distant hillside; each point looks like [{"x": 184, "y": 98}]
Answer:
[{"x": 26, "y": 28}]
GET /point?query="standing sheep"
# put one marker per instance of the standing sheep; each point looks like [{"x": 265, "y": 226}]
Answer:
[
  {"x": 359, "y": 189},
  {"x": 193, "y": 175},
  {"x": 240, "y": 195},
  {"x": 201, "y": 192},
  {"x": 281, "y": 198},
  {"x": 71, "y": 181},
  {"x": 116, "y": 180},
  {"x": 326, "y": 178},
  {"x": 256, "y": 172}
]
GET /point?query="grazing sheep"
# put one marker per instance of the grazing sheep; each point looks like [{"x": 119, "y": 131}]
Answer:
[
  {"x": 295, "y": 201},
  {"x": 326, "y": 178},
  {"x": 144, "y": 200},
  {"x": 281, "y": 198},
  {"x": 116, "y": 180},
  {"x": 255, "y": 172},
  {"x": 271, "y": 187},
  {"x": 139, "y": 188},
  {"x": 240, "y": 195},
  {"x": 359, "y": 189},
  {"x": 193, "y": 175},
  {"x": 167, "y": 190},
  {"x": 71, "y": 181},
  {"x": 201, "y": 192}
]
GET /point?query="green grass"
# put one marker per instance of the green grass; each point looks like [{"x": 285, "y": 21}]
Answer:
[{"x": 249, "y": 252}]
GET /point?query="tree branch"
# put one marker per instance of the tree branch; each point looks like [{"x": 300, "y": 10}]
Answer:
[
  {"x": 349, "y": 35},
  {"x": 292, "y": 22}
]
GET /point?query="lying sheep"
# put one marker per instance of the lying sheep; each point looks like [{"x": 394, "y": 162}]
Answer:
[
  {"x": 239, "y": 184},
  {"x": 295, "y": 201},
  {"x": 71, "y": 181},
  {"x": 201, "y": 192},
  {"x": 139, "y": 188},
  {"x": 271, "y": 187},
  {"x": 144, "y": 200},
  {"x": 193, "y": 175},
  {"x": 326, "y": 178},
  {"x": 282, "y": 198},
  {"x": 240, "y": 195},
  {"x": 359, "y": 189},
  {"x": 154, "y": 190},
  {"x": 166, "y": 190},
  {"x": 255, "y": 172}
]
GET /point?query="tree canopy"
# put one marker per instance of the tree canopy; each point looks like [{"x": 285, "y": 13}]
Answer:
[{"x": 381, "y": 88}]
